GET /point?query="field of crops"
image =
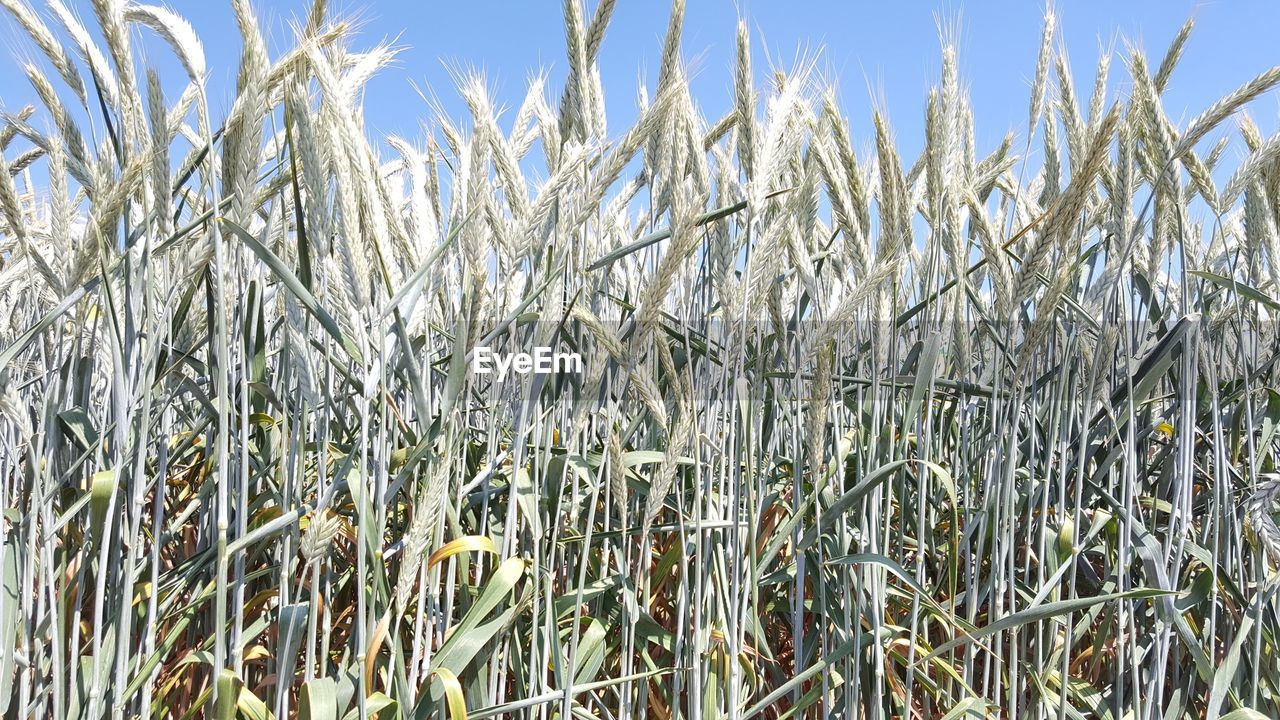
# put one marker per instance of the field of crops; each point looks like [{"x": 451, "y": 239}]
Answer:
[{"x": 983, "y": 432}]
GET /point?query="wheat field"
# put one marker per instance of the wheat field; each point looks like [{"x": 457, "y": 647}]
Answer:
[{"x": 989, "y": 432}]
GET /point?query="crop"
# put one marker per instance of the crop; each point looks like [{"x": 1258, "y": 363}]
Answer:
[{"x": 987, "y": 432}]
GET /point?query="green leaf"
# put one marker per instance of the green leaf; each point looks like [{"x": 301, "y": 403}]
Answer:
[
  {"x": 291, "y": 628},
  {"x": 377, "y": 707},
  {"x": 452, "y": 693},
  {"x": 1244, "y": 714},
  {"x": 318, "y": 700},
  {"x": 295, "y": 286},
  {"x": 855, "y": 494},
  {"x": 1226, "y": 673},
  {"x": 660, "y": 235},
  {"x": 9, "y": 605},
  {"x": 75, "y": 422},
  {"x": 459, "y": 649},
  {"x": 973, "y": 707},
  {"x": 250, "y": 706},
  {"x": 228, "y": 692},
  {"x": 1237, "y": 287},
  {"x": 1040, "y": 612},
  {"x": 469, "y": 636},
  {"x": 101, "y": 487}
]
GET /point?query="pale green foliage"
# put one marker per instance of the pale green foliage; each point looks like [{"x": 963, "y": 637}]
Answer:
[{"x": 855, "y": 436}]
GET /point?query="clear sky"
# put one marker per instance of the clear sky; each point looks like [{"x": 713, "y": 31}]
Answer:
[{"x": 870, "y": 49}]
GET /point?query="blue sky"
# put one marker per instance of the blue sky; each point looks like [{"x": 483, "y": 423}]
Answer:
[{"x": 870, "y": 49}]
